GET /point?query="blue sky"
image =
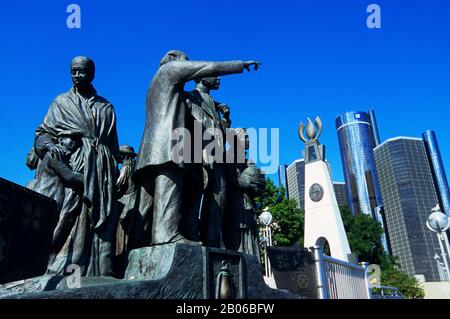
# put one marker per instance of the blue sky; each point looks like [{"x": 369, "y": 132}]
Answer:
[{"x": 319, "y": 58}]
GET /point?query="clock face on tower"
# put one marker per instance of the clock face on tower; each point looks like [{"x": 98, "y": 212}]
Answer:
[{"x": 316, "y": 192}]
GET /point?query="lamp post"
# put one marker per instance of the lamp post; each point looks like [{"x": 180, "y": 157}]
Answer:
[
  {"x": 266, "y": 219},
  {"x": 438, "y": 222}
]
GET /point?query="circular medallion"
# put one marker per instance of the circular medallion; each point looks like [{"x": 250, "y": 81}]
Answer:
[{"x": 316, "y": 192}]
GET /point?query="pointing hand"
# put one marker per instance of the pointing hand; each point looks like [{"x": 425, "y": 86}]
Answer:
[{"x": 248, "y": 64}]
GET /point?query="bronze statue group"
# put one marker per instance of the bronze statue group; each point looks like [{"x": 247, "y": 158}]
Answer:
[{"x": 206, "y": 198}]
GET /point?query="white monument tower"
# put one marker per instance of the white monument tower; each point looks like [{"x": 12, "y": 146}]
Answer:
[{"x": 323, "y": 220}]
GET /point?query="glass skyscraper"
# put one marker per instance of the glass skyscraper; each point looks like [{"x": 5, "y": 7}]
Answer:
[
  {"x": 340, "y": 192},
  {"x": 296, "y": 182},
  {"x": 282, "y": 179},
  {"x": 358, "y": 136},
  {"x": 437, "y": 167},
  {"x": 407, "y": 186}
]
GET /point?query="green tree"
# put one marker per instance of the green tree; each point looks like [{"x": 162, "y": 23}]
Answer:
[
  {"x": 289, "y": 223},
  {"x": 364, "y": 236},
  {"x": 392, "y": 276},
  {"x": 288, "y": 219}
]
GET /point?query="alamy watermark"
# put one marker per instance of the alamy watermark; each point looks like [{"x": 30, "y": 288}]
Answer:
[
  {"x": 232, "y": 146},
  {"x": 375, "y": 275},
  {"x": 374, "y": 19},
  {"x": 74, "y": 279},
  {"x": 73, "y": 21}
]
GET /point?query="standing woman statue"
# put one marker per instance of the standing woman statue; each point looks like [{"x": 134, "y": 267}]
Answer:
[{"x": 85, "y": 233}]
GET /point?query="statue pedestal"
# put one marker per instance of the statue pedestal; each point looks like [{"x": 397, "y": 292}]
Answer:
[
  {"x": 192, "y": 271},
  {"x": 27, "y": 222},
  {"x": 172, "y": 271}
]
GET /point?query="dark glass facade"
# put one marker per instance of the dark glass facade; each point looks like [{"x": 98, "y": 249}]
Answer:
[
  {"x": 296, "y": 182},
  {"x": 375, "y": 133},
  {"x": 341, "y": 193},
  {"x": 437, "y": 167},
  {"x": 408, "y": 192},
  {"x": 282, "y": 178}
]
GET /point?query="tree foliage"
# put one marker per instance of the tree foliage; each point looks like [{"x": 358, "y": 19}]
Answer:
[
  {"x": 288, "y": 219},
  {"x": 364, "y": 237},
  {"x": 408, "y": 286}
]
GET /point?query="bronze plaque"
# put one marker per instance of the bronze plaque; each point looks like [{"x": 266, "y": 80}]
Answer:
[{"x": 294, "y": 270}]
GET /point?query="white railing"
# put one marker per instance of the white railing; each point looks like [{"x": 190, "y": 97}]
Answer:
[{"x": 338, "y": 279}]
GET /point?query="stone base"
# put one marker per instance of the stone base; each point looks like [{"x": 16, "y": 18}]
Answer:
[
  {"x": 27, "y": 222},
  {"x": 172, "y": 271}
]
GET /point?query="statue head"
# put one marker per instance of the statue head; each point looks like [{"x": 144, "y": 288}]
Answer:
[
  {"x": 173, "y": 55},
  {"x": 127, "y": 152},
  {"x": 69, "y": 142},
  {"x": 83, "y": 71},
  {"x": 211, "y": 83}
]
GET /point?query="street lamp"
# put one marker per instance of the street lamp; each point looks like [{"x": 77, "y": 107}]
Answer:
[
  {"x": 438, "y": 222},
  {"x": 266, "y": 219}
]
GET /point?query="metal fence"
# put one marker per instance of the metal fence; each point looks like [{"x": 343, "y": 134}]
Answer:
[{"x": 338, "y": 279}]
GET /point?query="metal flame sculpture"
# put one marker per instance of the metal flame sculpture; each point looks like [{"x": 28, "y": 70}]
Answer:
[{"x": 311, "y": 131}]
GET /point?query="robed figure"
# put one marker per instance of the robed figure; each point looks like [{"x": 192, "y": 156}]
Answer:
[{"x": 85, "y": 232}]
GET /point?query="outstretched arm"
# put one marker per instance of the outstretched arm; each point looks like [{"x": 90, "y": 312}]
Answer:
[{"x": 184, "y": 71}]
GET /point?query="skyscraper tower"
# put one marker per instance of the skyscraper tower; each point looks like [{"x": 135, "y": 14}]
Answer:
[
  {"x": 341, "y": 193},
  {"x": 358, "y": 136},
  {"x": 376, "y": 134},
  {"x": 296, "y": 182},
  {"x": 409, "y": 194},
  {"x": 437, "y": 168},
  {"x": 282, "y": 178}
]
